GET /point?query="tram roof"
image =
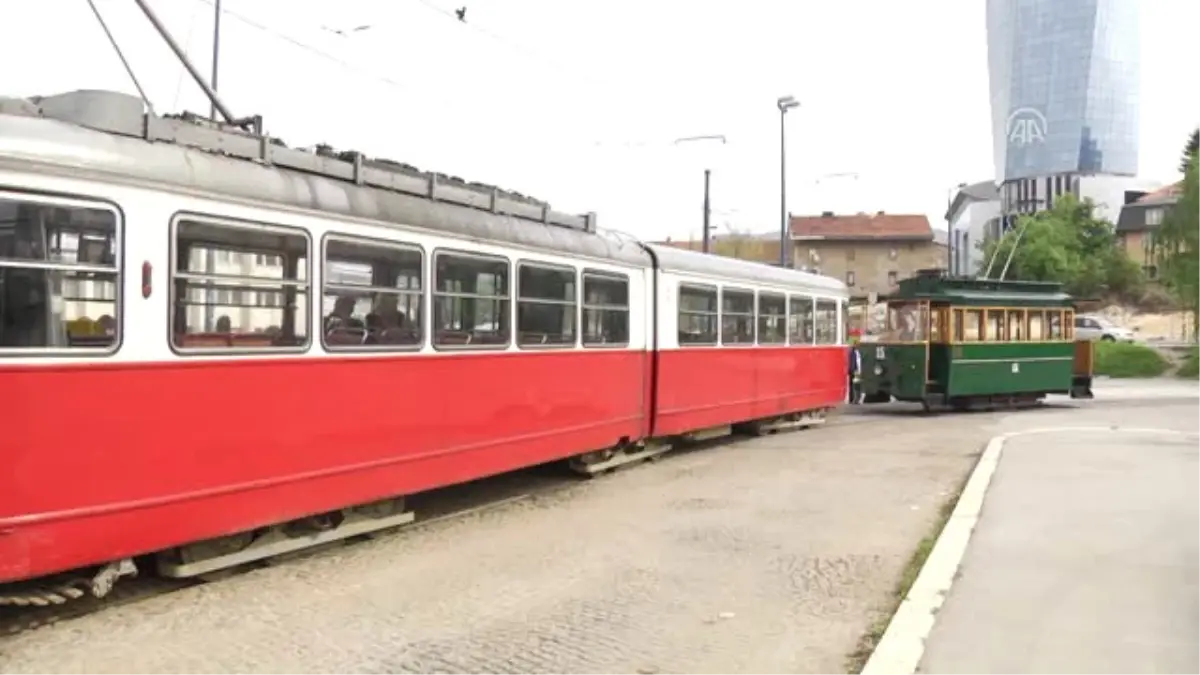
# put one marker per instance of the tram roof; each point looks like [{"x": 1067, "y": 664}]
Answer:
[
  {"x": 108, "y": 136},
  {"x": 674, "y": 259},
  {"x": 937, "y": 286}
]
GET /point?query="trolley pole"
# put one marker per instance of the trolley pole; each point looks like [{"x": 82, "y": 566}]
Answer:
[
  {"x": 216, "y": 56},
  {"x": 210, "y": 256}
]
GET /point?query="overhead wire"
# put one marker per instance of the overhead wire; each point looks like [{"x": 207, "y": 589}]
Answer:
[{"x": 409, "y": 86}]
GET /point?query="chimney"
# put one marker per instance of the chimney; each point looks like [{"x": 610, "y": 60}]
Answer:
[
  {"x": 827, "y": 214},
  {"x": 879, "y": 213}
]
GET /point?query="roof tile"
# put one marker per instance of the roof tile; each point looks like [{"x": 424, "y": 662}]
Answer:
[{"x": 883, "y": 226}]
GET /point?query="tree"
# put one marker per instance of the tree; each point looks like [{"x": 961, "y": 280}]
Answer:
[
  {"x": 1175, "y": 240},
  {"x": 1070, "y": 245},
  {"x": 741, "y": 245},
  {"x": 1190, "y": 151}
]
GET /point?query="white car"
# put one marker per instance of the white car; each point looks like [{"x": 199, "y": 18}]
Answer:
[{"x": 1090, "y": 327}]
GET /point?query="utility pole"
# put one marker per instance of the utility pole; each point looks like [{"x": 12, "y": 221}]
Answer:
[
  {"x": 784, "y": 103},
  {"x": 706, "y": 227},
  {"x": 707, "y": 211}
]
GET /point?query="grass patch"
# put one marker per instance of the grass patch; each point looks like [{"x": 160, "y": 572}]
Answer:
[
  {"x": 1190, "y": 368},
  {"x": 908, "y": 576},
  {"x": 1124, "y": 359}
]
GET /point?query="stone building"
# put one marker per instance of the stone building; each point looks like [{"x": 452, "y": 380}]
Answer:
[{"x": 870, "y": 252}]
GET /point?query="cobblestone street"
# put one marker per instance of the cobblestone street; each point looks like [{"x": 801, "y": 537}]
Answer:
[{"x": 766, "y": 555}]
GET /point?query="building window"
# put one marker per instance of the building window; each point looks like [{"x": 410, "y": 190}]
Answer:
[
  {"x": 1154, "y": 216},
  {"x": 850, "y": 254},
  {"x": 850, "y": 278},
  {"x": 893, "y": 278}
]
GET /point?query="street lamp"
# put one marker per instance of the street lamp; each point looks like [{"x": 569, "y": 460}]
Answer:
[
  {"x": 707, "y": 175},
  {"x": 784, "y": 103}
]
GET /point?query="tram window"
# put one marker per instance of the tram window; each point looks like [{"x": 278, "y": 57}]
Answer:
[
  {"x": 372, "y": 295},
  {"x": 605, "y": 309},
  {"x": 1016, "y": 325},
  {"x": 545, "y": 305},
  {"x": 1036, "y": 325},
  {"x": 59, "y": 278},
  {"x": 939, "y": 324},
  {"x": 906, "y": 322},
  {"x": 772, "y": 319},
  {"x": 1054, "y": 326},
  {"x": 994, "y": 325},
  {"x": 1068, "y": 325},
  {"x": 470, "y": 300},
  {"x": 698, "y": 315},
  {"x": 239, "y": 286},
  {"x": 737, "y": 316},
  {"x": 845, "y": 310},
  {"x": 972, "y": 325},
  {"x": 826, "y": 322},
  {"x": 800, "y": 321}
]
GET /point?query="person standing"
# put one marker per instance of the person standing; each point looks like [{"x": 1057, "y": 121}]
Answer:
[{"x": 853, "y": 371}]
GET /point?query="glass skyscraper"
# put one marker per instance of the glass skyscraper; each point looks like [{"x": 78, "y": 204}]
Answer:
[{"x": 1064, "y": 79}]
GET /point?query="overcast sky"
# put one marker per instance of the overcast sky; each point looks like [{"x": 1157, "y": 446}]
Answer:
[{"x": 579, "y": 102}]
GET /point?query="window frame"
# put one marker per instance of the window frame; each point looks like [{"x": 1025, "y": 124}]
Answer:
[
  {"x": 680, "y": 311},
  {"x": 575, "y": 303},
  {"x": 422, "y": 332},
  {"x": 817, "y": 302},
  {"x": 433, "y": 293},
  {"x": 80, "y": 201},
  {"x": 759, "y": 316},
  {"x": 217, "y": 220},
  {"x": 586, "y": 272},
  {"x": 812, "y": 319},
  {"x": 738, "y": 290}
]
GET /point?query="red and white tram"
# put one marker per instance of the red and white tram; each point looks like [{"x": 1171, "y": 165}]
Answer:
[{"x": 214, "y": 359}]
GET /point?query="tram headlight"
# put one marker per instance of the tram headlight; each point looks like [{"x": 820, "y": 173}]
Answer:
[{"x": 878, "y": 369}]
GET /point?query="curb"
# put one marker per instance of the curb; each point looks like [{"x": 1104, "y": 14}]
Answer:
[{"x": 903, "y": 643}]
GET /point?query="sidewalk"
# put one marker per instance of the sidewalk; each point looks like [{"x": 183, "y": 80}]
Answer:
[{"x": 1084, "y": 560}]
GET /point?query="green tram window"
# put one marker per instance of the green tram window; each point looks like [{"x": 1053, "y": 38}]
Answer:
[
  {"x": 1016, "y": 325},
  {"x": 1035, "y": 325},
  {"x": 907, "y": 322}
]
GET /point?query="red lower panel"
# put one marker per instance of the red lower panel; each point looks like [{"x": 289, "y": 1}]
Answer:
[
  {"x": 105, "y": 462},
  {"x": 704, "y": 387}
]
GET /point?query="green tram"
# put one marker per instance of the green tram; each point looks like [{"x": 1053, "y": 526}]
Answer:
[{"x": 961, "y": 342}]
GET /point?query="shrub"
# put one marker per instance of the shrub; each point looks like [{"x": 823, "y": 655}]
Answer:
[
  {"x": 1191, "y": 365},
  {"x": 1123, "y": 359}
]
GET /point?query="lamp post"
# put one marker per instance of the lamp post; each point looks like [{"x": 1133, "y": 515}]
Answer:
[
  {"x": 706, "y": 228},
  {"x": 784, "y": 103}
]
